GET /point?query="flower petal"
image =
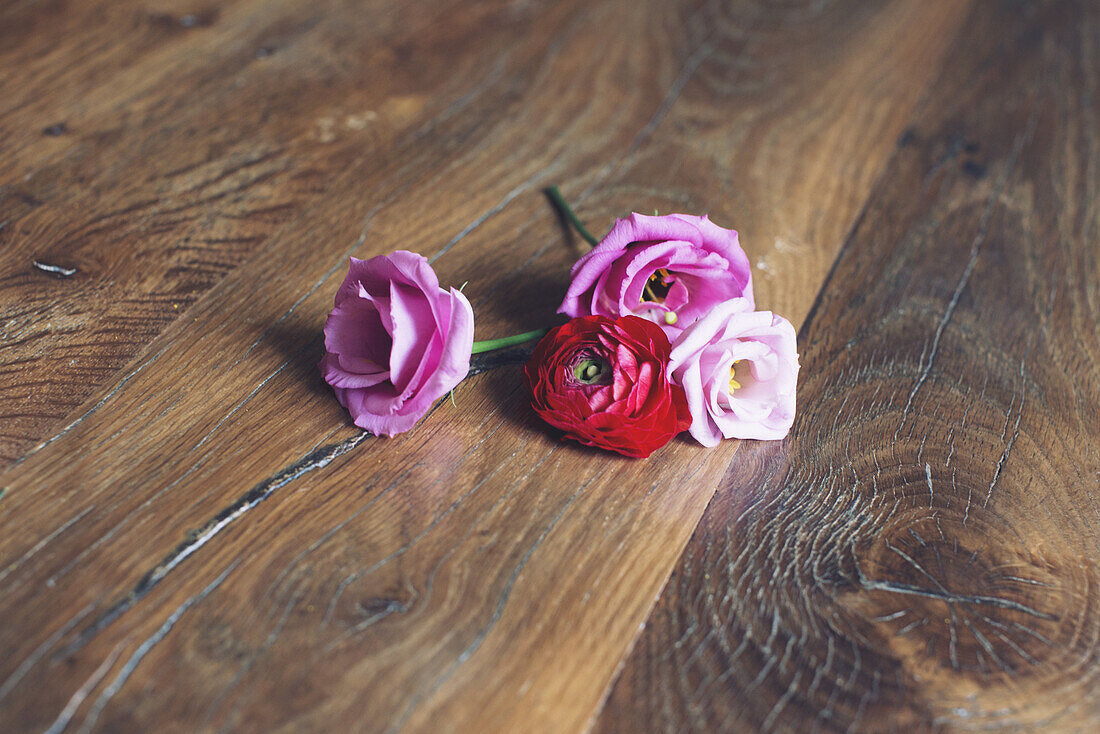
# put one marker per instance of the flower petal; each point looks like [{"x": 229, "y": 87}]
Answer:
[
  {"x": 636, "y": 413},
  {"x": 703, "y": 360},
  {"x": 395, "y": 341}
]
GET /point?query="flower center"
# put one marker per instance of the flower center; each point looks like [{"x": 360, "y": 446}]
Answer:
[
  {"x": 591, "y": 371},
  {"x": 735, "y": 384},
  {"x": 657, "y": 287}
]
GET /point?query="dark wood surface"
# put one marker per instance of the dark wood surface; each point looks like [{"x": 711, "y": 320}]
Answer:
[
  {"x": 921, "y": 553},
  {"x": 193, "y": 537}
]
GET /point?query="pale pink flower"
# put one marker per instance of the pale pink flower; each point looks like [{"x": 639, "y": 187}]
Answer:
[
  {"x": 395, "y": 341},
  {"x": 738, "y": 368}
]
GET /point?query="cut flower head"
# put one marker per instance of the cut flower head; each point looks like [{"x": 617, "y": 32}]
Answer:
[
  {"x": 395, "y": 342},
  {"x": 671, "y": 270},
  {"x": 603, "y": 381},
  {"x": 738, "y": 368}
]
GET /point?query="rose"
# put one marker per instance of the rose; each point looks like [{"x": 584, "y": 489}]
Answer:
[
  {"x": 738, "y": 368},
  {"x": 603, "y": 382},
  {"x": 395, "y": 341},
  {"x": 670, "y": 269}
]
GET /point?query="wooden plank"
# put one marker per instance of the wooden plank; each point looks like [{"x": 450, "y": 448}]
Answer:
[
  {"x": 209, "y": 526},
  {"x": 921, "y": 554},
  {"x": 151, "y": 150}
]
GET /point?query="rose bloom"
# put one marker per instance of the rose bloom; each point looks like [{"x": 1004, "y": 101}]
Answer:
[
  {"x": 602, "y": 381},
  {"x": 671, "y": 269},
  {"x": 395, "y": 341},
  {"x": 738, "y": 368}
]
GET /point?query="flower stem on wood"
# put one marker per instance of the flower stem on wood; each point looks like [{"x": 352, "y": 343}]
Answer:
[
  {"x": 559, "y": 202},
  {"x": 508, "y": 341}
]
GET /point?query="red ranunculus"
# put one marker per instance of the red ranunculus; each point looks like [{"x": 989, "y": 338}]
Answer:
[{"x": 603, "y": 381}]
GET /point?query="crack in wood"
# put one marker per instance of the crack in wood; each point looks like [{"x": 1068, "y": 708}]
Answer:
[
  {"x": 142, "y": 650},
  {"x": 58, "y": 270},
  {"x": 953, "y": 598},
  {"x": 315, "y": 460}
]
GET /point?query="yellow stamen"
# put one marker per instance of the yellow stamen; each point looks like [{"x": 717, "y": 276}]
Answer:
[
  {"x": 734, "y": 384},
  {"x": 656, "y": 288}
]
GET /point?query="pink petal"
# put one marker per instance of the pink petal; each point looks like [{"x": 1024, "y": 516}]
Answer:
[
  {"x": 726, "y": 243},
  {"x": 337, "y": 376},
  {"x": 702, "y": 427},
  {"x": 355, "y": 331},
  {"x": 413, "y": 329},
  {"x": 454, "y": 358},
  {"x": 705, "y": 352}
]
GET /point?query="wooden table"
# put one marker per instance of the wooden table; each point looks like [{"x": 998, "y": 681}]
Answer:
[{"x": 193, "y": 536}]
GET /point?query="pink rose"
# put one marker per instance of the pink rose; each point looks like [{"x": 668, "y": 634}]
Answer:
[
  {"x": 671, "y": 270},
  {"x": 738, "y": 368},
  {"x": 395, "y": 341}
]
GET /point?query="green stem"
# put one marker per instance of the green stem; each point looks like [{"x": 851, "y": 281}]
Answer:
[
  {"x": 508, "y": 341},
  {"x": 559, "y": 202}
]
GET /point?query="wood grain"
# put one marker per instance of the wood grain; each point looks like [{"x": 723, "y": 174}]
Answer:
[
  {"x": 921, "y": 553},
  {"x": 114, "y": 176},
  {"x": 205, "y": 543},
  {"x": 151, "y": 150}
]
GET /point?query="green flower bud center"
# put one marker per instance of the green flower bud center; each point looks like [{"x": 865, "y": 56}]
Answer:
[{"x": 591, "y": 371}]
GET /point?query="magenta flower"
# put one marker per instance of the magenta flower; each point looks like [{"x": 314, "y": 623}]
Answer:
[
  {"x": 671, "y": 269},
  {"x": 738, "y": 368},
  {"x": 395, "y": 341}
]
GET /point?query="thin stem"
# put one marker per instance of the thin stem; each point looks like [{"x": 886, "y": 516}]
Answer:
[
  {"x": 559, "y": 202},
  {"x": 507, "y": 341}
]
